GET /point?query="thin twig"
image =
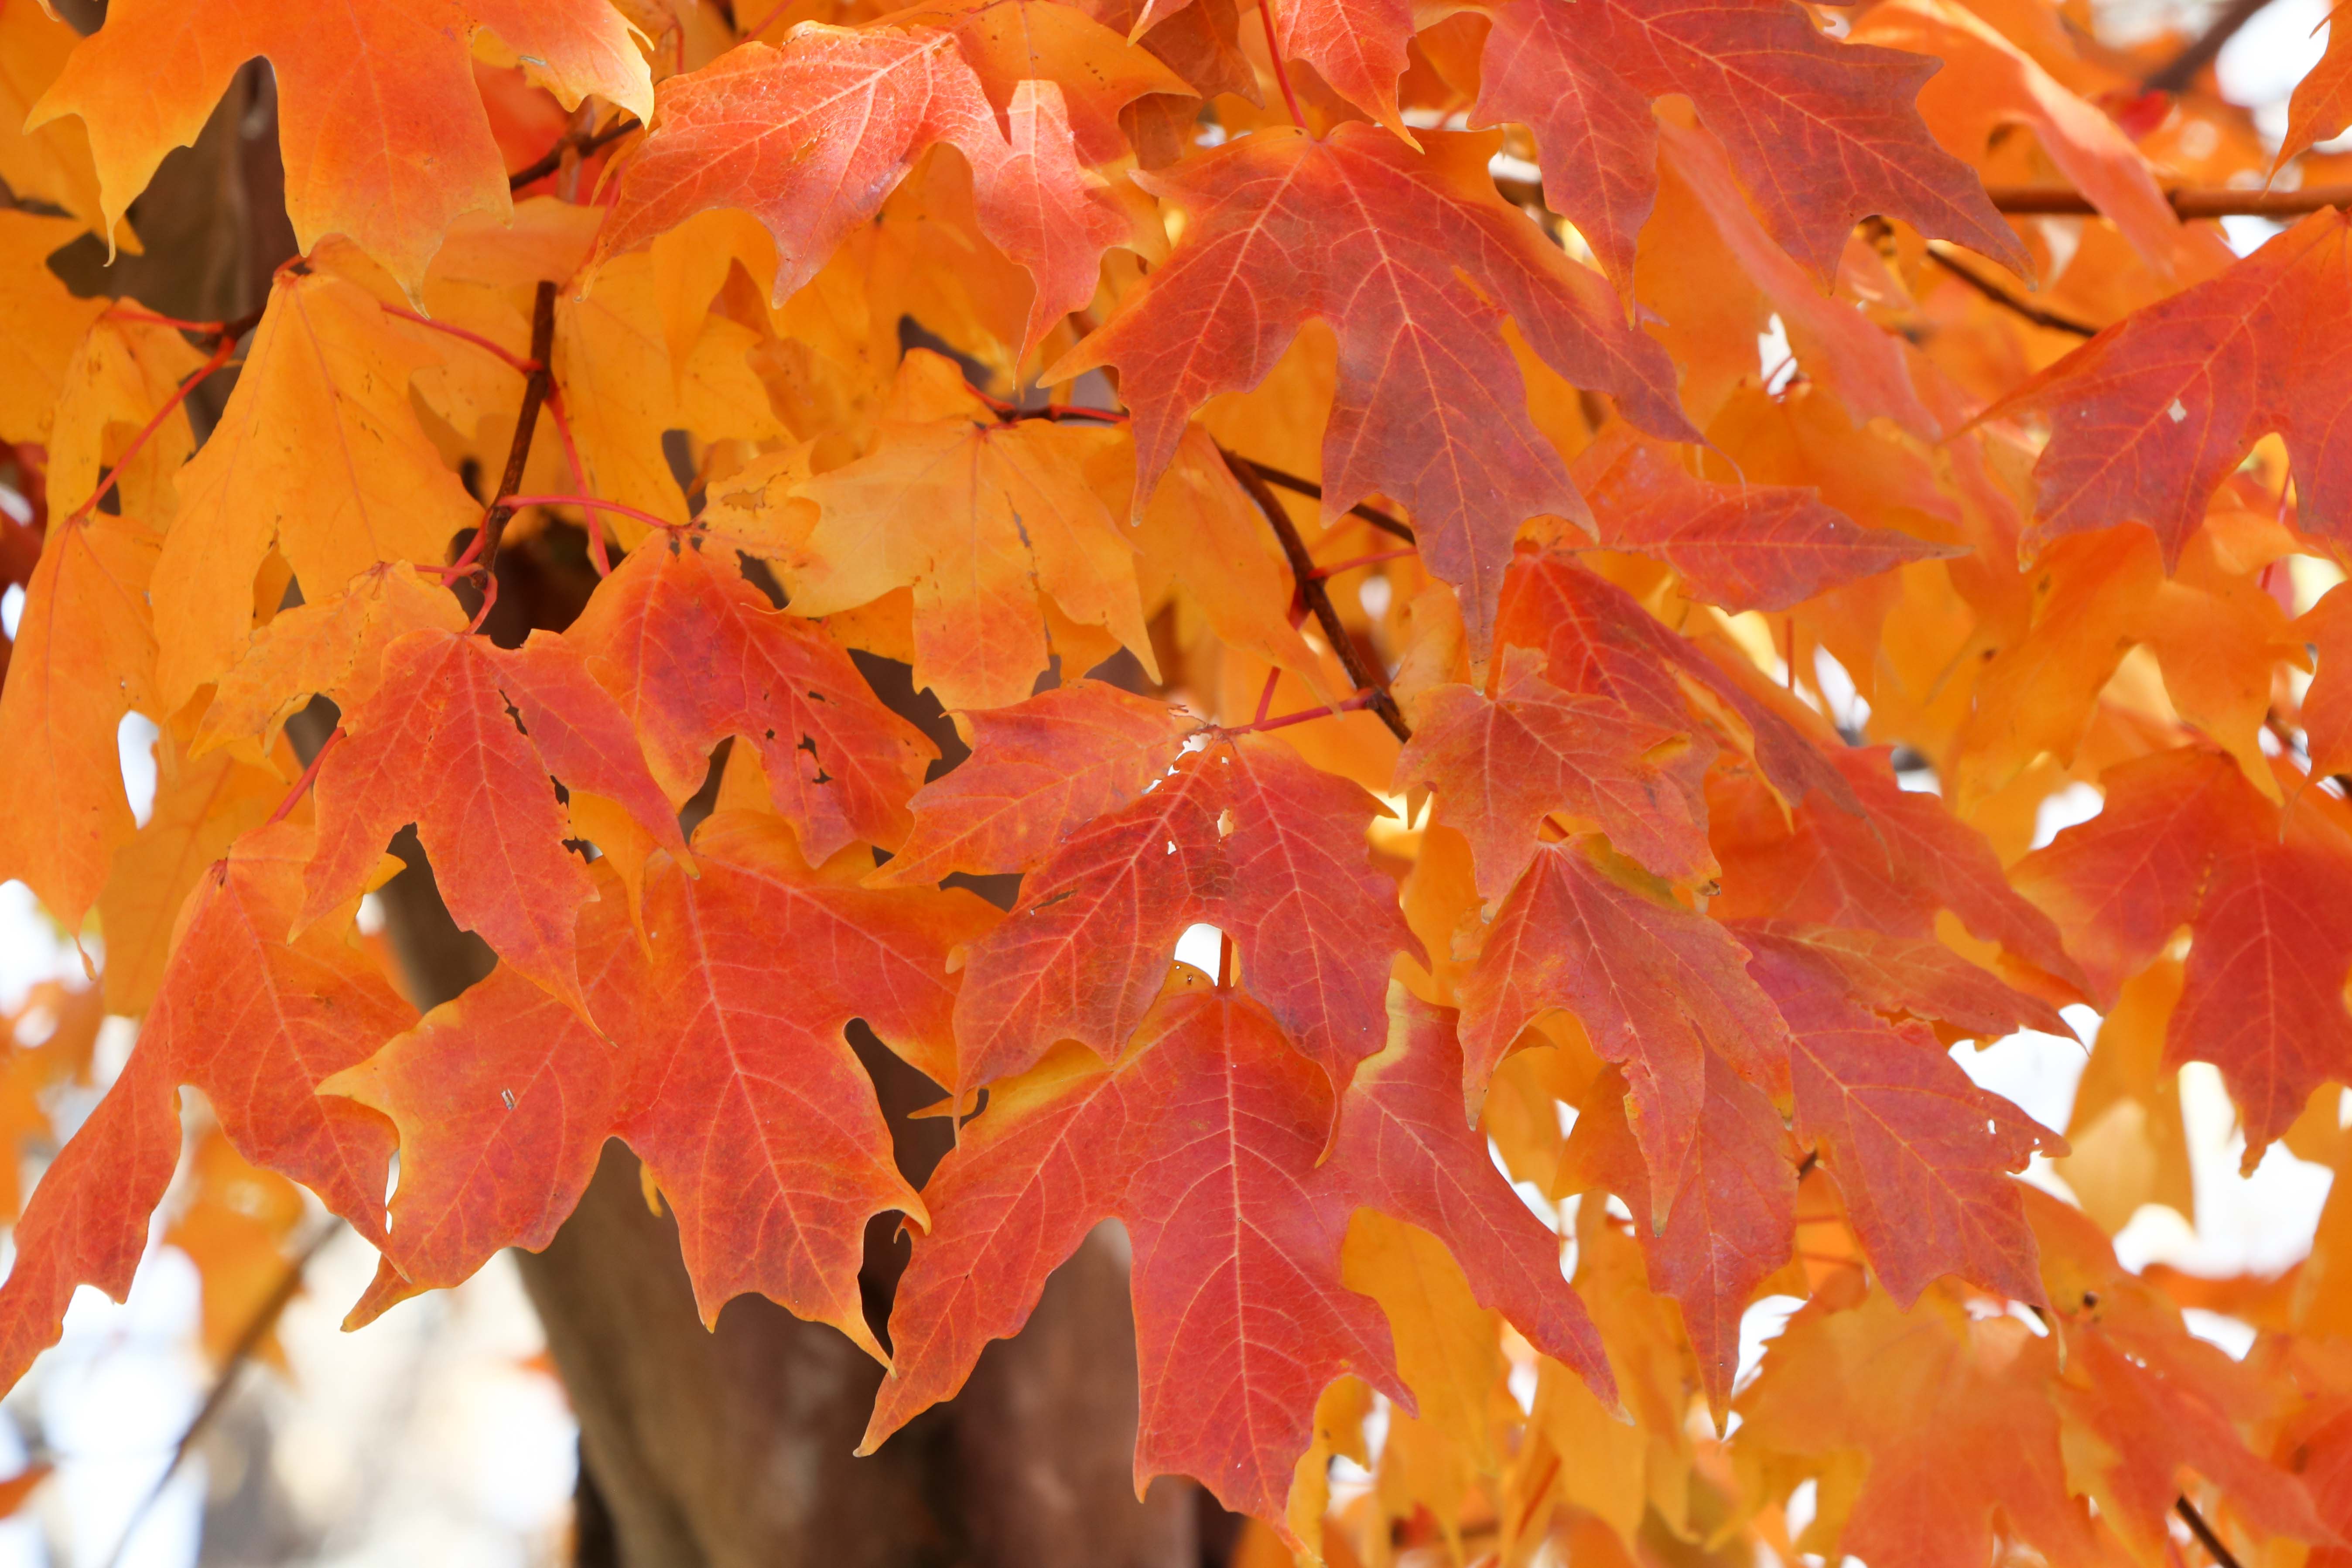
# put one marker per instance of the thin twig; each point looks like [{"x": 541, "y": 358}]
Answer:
[
  {"x": 2048, "y": 320},
  {"x": 1314, "y": 491},
  {"x": 2204, "y": 1533},
  {"x": 534, "y": 392},
  {"x": 248, "y": 1340},
  {"x": 2061, "y": 201},
  {"x": 2177, "y": 73},
  {"x": 587, "y": 503},
  {"x": 1317, "y": 598},
  {"x": 547, "y": 162}
]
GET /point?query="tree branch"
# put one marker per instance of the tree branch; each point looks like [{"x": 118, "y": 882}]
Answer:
[
  {"x": 534, "y": 392},
  {"x": 547, "y": 162},
  {"x": 2049, "y": 319},
  {"x": 2061, "y": 201},
  {"x": 1314, "y": 491},
  {"x": 2176, "y": 74},
  {"x": 1317, "y": 596}
]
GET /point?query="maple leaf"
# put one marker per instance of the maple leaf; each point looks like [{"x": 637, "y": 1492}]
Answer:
[
  {"x": 1501, "y": 766},
  {"x": 2147, "y": 418},
  {"x": 332, "y": 647},
  {"x": 2321, "y": 106},
  {"x": 1920, "y": 1152},
  {"x": 1949, "y": 1413},
  {"x": 202, "y": 805},
  {"x": 1429, "y": 406},
  {"x": 125, "y": 373},
  {"x": 83, "y": 656},
  {"x": 2148, "y": 1401},
  {"x": 1822, "y": 132},
  {"x": 2328, "y": 704},
  {"x": 1597, "y": 639},
  {"x": 1201, "y": 530},
  {"x": 254, "y": 1020},
  {"x": 319, "y": 456},
  {"x": 1897, "y": 974},
  {"x": 461, "y": 739},
  {"x": 691, "y": 652},
  {"x": 40, "y": 323},
  {"x": 1040, "y": 770},
  {"x": 1200, "y": 43},
  {"x": 1731, "y": 1206},
  {"x": 625, "y": 383},
  {"x": 727, "y": 1070},
  {"x": 1887, "y": 867},
  {"x": 382, "y": 128},
  {"x": 1098, "y": 70},
  {"x": 986, "y": 520},
  {"x": 1657, "y": 987},
  {"x": 50, "y": 163},
  {"x": 1240, "y": 834},
  {"x": 2184, "y": 839},
  {"x": 812, "y": 137},
  {"x": 1203, "y": 1137},
  {"x": 1745, "y": 547}
]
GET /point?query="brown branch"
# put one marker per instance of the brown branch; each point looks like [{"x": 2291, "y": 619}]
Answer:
[
  {"x": 2049, "y": 319},
  {"x": 1314, "y": 491},
  {"x": 547, "y": 162},
  {"x": 2061, "y": 201},
  {"x": 2204, "y": 1533},
  {"x": 248, "y": 1340},
  {"x": 2177, "y": 73},
  {"x": 1316, "y": 597},
  {"x": 534, "y": 392}
]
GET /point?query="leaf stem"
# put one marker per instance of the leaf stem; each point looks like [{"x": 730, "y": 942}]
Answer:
[
  {"x": 154, "y": 318},
  {"x": 1368, "y": 698},
  {"x": 596, "y": 555},
  {"x": 1316, "y": 597},
  {"x": 309, "y": 777},
  {"x": 534, "y": 392},
  {"x": 515, "y": 361},
  {"x": 221, "y": 351},
  {"x": 645, "y": 517},
  {"x": 1265, "y": 698},
  {"x": 1273, "y": 53},
  {"x": 1313, "y": 491},
  {"x": 1355, "y": 561}
]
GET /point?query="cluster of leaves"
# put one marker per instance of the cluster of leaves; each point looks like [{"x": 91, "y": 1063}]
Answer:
[{"x": 1424, "y": 586}]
